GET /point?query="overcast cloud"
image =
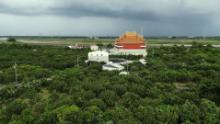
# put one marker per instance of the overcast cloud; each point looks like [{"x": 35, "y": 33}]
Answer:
[{"x": 112, "y": 17}]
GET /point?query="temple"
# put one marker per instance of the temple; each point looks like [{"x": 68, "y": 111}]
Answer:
[{"x": 130, "y": 43}]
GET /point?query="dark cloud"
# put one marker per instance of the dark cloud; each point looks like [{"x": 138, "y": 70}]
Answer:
[
  {"x": 183, "y": 16},
  {"x": 80, "y": 10}
]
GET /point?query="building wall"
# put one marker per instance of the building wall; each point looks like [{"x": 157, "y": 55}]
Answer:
[
  {"x": 94, "y": 48},
  {"x": 131, "y": 46},
  {"x": 98, "y": 57},
  {"x": 142, "y": 52},
  {"x": 116, "y": 67}
]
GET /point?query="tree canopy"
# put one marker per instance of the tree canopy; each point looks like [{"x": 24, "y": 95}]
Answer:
[{"x": 178, "y": 85}]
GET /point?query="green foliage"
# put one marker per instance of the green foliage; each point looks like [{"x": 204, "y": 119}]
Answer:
[
  {"x": 210, "y": 112},
  {"x": 108, "y": 97},
  {"x": 11, "y": 39},
  {"x": 178, "y": 85},
  {"x": 189, "y": 113}
]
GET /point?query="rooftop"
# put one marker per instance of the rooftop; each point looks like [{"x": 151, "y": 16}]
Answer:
[{"x": 130, "y": 38}]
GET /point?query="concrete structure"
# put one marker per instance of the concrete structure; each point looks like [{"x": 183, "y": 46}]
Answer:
[
  {"x": 121, "y": 61},
  {"x": 129, "y": 43},
  {"x": 143, "y": 61},
  {"x": 112, "y": 67},
  {"x": 76, "y": 46},
  {"x": 94, "y": 47},
  {"x": 98, "y": 56},
  {"x": 124, "y": 73}
]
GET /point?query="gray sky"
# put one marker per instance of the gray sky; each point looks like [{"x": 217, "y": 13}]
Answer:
[{"x": 110, "y": 17}]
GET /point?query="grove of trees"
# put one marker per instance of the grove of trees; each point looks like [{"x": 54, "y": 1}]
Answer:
[{"x": 178, "y": 85}]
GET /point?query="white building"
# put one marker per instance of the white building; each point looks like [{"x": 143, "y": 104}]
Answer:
[
  {"x": 76, "y": 46},
  {"x": 98, "y": 56},
  {"x": 137, "y": 52},
  {"x": 112, "y": 67},
  {"x": 94, "y": 47}
]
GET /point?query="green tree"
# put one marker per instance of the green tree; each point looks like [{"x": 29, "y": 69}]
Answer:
[
  {"x": 209, "y": 112},
  {"x": 109, "y": 97},
  {"x": 189, "y": 112}
]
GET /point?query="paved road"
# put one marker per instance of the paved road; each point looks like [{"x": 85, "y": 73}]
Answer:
[
  {"x": 170, "y": 45},
  {"x": 67, "y": 43}
]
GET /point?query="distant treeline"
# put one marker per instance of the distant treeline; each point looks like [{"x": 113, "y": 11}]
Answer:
[{"x": 114, "y": 37}]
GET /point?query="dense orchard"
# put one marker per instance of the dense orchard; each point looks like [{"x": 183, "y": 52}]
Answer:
[{"x": 178, "y": 85}]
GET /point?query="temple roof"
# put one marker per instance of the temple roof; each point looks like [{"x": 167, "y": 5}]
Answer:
[{"x": 130, "y": 38}]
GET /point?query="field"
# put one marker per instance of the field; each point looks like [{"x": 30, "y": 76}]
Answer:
[
  {"x": 63, "y": 41},
  {"x": 178, "y": 85}
]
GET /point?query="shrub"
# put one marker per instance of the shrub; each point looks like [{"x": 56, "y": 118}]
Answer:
[{"x": 11, "y": 39}]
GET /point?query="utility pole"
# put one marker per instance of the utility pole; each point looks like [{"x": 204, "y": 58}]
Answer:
[
  {"x": 153, "y": 52},
  {"x": 127, "y": 67},
  {"x": 16, "y": 75},
  {"x": 77, "y": 61},
  {"x": 127, "y": 63}
]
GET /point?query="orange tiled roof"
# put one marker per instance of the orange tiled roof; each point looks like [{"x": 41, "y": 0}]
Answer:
[{"x": 130, "y": 38}]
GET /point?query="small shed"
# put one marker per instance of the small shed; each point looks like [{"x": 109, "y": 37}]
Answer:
[
  {"x": 76, "y": 46},
  {"x": 124, "y": 73},
  {"x": 143, "y": 61},
  {"x": 112, "y": 67},
  {"x": 94, "y": 47}
]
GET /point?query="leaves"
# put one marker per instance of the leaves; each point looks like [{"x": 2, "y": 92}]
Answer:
[{"x": 178, "y": 85}]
